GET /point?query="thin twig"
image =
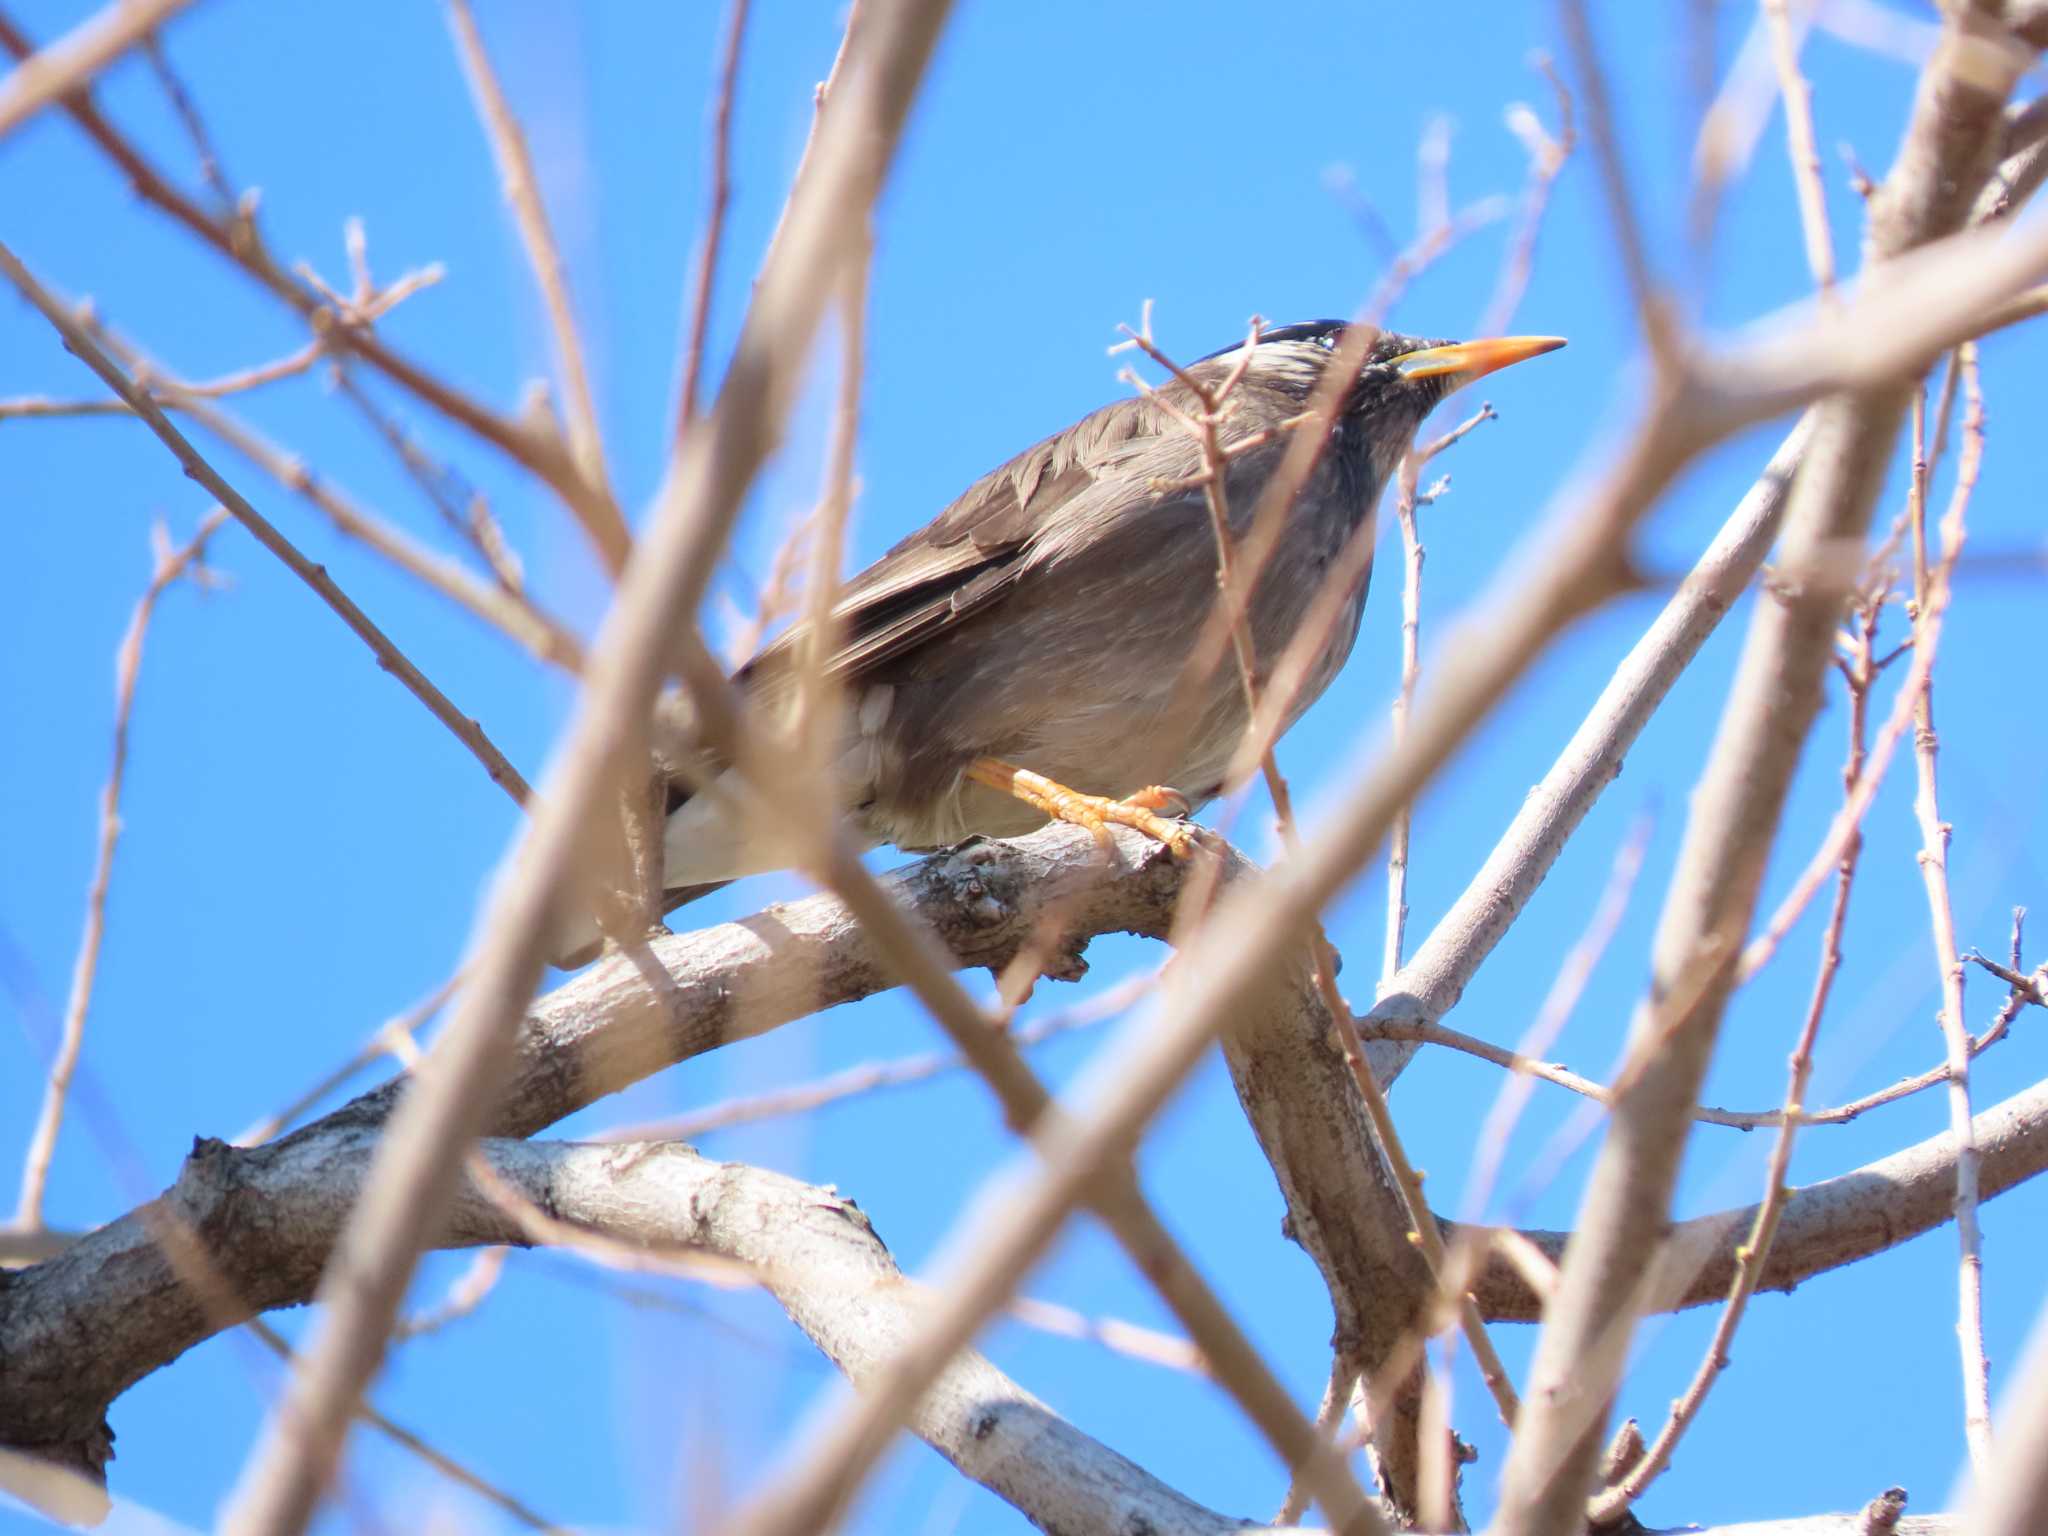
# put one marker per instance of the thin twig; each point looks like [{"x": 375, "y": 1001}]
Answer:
[
  {"x": 597, "y": 509},
  {"x": 817, "y": 693},
  {"x": 1497, "y": 1130},
  {"x": 1931, "y": 595},
  {"x": 210, "y": 169},
  {"x": 1412, "y": 554},
  {"x": 1407, "y": 499},
  {"x": 514, "y": 614},
  {"x": 1428, "y": 1032},
  {"x": 439, "y": 1460},
  {"x": 1397, "y": 840},
  {"x": 777, "y": 597},
  {"x": 468, "y": 1291},
  {"x": 42, "y": 1145},
  {"x": 462, "y": 508},
  {"x": 370, "y": 1051},
  {"x": 79, "y": 340},
  {"x": 1652, "y": 313},
  {"x": 1329, "y": 1414},
  {"x": 1547, "y": 157},
  {"x": 1469, "y": 1251},
  {"x": 714, "y": 218},
  {"x": 1800, "y": 146},
  {"x": 1318, "y": 622}
]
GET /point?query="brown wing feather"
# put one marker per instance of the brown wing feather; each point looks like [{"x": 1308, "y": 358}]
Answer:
[{"x": 970, "y": 554}]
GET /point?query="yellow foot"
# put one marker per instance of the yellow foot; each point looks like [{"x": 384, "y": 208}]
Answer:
[{"x": 1095, "y": 812}]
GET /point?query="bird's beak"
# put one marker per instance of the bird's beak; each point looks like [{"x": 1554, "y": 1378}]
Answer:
[{"x": 1464, "y": 361}]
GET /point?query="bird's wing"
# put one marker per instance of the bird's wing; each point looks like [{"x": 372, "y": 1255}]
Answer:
[{"x": 972, "y": 553}]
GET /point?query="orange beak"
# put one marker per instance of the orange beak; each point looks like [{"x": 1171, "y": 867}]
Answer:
[{"x": 1464, "y": 361}]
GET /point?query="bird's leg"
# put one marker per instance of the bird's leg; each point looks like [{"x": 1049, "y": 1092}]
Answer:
[{"x": 1095, "y": 812}]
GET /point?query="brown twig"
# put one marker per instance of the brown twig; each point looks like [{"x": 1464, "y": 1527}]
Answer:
[
  {"x": 237, "y": 238},
  {"x": 1318, "y": 621},
  {"x": 1734, "y": 818},
  {"x": 513, "y": 614},
  {"x": 372, "y": 1050},
  {"x": 1329, "y": 1414},
  {"x": 170, "y": 565},
  {"x": 80, "y": 341},
  {"x": 818, "y": 696},
  {"x": 596, "y": 507},
  {"x": 367, "y": 305},
  {"x": 1800, "y": 145},
  {"x": 210, "y": 169},
  {"x": 69, "y": 64},
  {"x": 1547, "y": 157},
  {"x": 1472, "y": 1246},
  {"x": 714, "y": 218},
  {"x": 1847, "y": 821},
  {"x": 1427, "y": 1032},
  {"x": 1659, "y": 329},
  {"x": 462, "y": 508},
  {"x": 411, "y": 1441},
  {"x": 777, "y": 597},
  {"x": 45, "y": 407}
]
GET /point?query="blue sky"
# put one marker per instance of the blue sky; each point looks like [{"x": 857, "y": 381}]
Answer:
[{"x": 304, "y": 846}]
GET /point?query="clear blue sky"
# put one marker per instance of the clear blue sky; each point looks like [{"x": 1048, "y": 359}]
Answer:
[{"x": 304, "y": 846}]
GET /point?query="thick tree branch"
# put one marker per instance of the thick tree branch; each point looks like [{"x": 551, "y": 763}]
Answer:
[
  {"x": 281, "y": 1208},
  {"x": 1824, "y": 1226},
  {"x": 631, "y": 1015}
]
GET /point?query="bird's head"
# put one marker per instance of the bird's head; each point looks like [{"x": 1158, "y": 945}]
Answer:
[{"x": 1400, "y": 381}]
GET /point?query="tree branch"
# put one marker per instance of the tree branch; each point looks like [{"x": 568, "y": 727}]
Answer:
[
  {"x": 1824, "y": 1226},
  {"x": 70, "y": 63},
  {"x": 1948, "y": 152}
]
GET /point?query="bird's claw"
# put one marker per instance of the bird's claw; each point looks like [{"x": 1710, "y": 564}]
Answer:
[{"x": 1140, "y": 810}]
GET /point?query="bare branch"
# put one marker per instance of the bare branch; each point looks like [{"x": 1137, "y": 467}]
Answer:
[
  {"x": 1547, "y": 157},
  {"x": 596, "y": 508},
  {"x": 1799, "y": 144},
  {"x": 1932, "y": 589},
  {"x": 42, "y": 1144},
  {"x": 78, "y": 340},
  {"x": 714, "y": 219},
  {"x": 513, "y": 614},
  {"x": 417, "y": 1445},
  {"x": 236, "y": 238},
  {"x": 70, "y": 63},
  {"x": 1824, "y": 1226}
]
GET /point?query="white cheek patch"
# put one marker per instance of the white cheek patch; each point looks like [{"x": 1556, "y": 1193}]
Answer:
[{"x": 875, "y": 704}]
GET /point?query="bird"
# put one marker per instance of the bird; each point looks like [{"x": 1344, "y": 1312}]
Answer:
[{"x": 1021, "y": 657}]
